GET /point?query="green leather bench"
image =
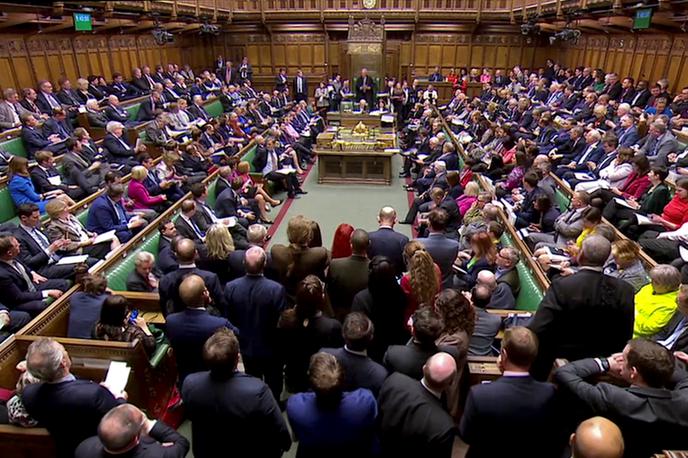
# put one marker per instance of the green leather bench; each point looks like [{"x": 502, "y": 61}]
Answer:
[
  {"x": 133, "y": 111},
  {"x": 210, "y": 200},
  {"x": 530, "y": 295},
  {"x": 7, "y": 210},
  {"x": 15, "y": 146},
  {"x": 214, "y": 108},
  {"x": 562, "y": 199},
  {"x": 117, "y": 276}
]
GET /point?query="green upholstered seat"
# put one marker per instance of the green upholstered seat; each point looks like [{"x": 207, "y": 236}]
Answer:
[
  {"x": 133, "y": 111},
  {"x": 214, "y": 108},
  {"x": 562, "y": 199},
  {"x": 117, "y": 276},
  {"x": 248, "y": 157},
  {"x": 211, "y": 194},
  {"x": 15, "y": 146},
  {"x": 7, "y": 210},
  {"x": 530, "y": 295},
  {"x": 82, "y": 217}
]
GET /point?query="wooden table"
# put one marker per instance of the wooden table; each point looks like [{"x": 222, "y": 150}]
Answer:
[
  {"x": 352, "y": 119},
  {"x": 354, "y": 167}
]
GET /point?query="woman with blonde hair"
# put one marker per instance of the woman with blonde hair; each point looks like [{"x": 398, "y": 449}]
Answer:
[
  {"x": 22, "y": 190},
  {"x": 422, "y": 281},
  {"x": 139, "y": 194},
  {"x": 219, "y": 245},
  {"x": 625, "y": 264},
  {"x": 469, "y": 196},
  {"x": 252, "y": 190}
]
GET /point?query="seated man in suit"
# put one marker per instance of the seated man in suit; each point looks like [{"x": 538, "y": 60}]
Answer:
[
  {"x": 107, "y": 213},
  {"x": 167, "y": 256},
  {"x": 501, "y": 296},
  {"x": 651, "y": 415},
  {"x": 46, "y": 178},
  {"x": 386, "y": 241},
  {"x": 122, "y": 89},
  {"x": 512, "y": 405},
  {"x": 442, "y": 248},
  {"x": 24, "y": 289},
  {"x": 255, "y": 304},
  {"x": 588, "y": 158},
  {"x": 94, "y": 115},
  {"x": 487, "y": 325},
  {"x": 143, "y": 278},
  {"x": 35, "y": 140},
  {"x": 506, "y": 272},
  {"x": 58, "y": 124},
  {"x": 409, "y": 359},
  {"x": 37, "y": 253},
  {"x": 413, "y": 420},
  {"x": 360, "y": 371},
  {"x": 114, "y": 112},
  {"x": 197, "y": 110},
  {"x": 11, "y": 321},
  {"x": 149, "y": 108},
  {"x": 186, "y": 224},
  {"x": 156, "y": 131},
  {"x": 125, "y": 430},
  {"x": 597, "y": 437},
  {"x": 205, "y": 216},
  {"x": 120, "y": 152},
  {"x": 80, "y": 169},
  {"x": 224, "y": 396},
  {"x": 61, "y": 396},
  {"x": 169, "y": 283},
  {"x": 348, "y": 276},
  {"x": 189, "y": 328}
]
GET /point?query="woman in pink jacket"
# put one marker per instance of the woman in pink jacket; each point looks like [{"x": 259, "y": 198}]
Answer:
[{"x": 139, "y": 194}]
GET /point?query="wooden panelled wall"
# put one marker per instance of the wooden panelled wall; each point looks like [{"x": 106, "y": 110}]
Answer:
[
  {"x": 24, "y": 61},
  {"x": 649, "y": 57}
]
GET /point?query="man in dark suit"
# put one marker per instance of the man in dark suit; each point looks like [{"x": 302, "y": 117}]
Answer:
[
  {"x": 115, "y": 143},
  {"x": 413, "y": 421},
  {"x": 651, "y": 416},
  {"x": 227, "y": 73},
  {"x": 360, "y": 371},
  {"x": 37, "y": 253},
  {"x": 386, "y": 241},
  {"x": 45, "y": 99},
  {"x": 409, "y": 359},
  {"x": 35, "y": 140},
  {"x": 58, "y": 124},
  {"x": 256, "y": 235},
  {"x": 143, "y": 83},
  {"x": 46, "y": 178},
  {"x": 170, "y": 299},
  {"x": 144, "y": 277},
  {"x": 149, "y": 108},
  {"x": 442, "y": 249},
  {"x": 107, "y": 213},
  {"x": 11, "y": 321},
  {"x": 23, "y": 289},
  {"x": 641, "y": 96},
  {"x": 348, "y": 276},
  {"x": 300, "y": 86},
  {"x": 167, "y": 257},
  {"x": 674, "y": 335},
  {"x": 189, "y": 329},
  {"x": 365, "y": 88},
  {"x": 506, "y": 271},
  {"x": 66, "y": 95},
  {"x": 196, "y": 109},
  {"x": 224, "y": 396},
  {"x": 126, "y": 431},
  {"x": 255, "y": 304},
  {"x": 281, "y": 80},
  {"x": 69, "y": 408},
  {"x": 114, "y": 112},
  {"x": 122, "y": 89},
  {"x": 587, "y": 160},
  {"x": 512, "y": 405},
  {"x": 226, "y": 212},
  {"x": 585, "y": 314},
  {"x": 186, "y": 224}
]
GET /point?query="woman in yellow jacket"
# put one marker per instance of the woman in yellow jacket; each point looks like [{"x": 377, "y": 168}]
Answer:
[{"x": 655, "y": 303}]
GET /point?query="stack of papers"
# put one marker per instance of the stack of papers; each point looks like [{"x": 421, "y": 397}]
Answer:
[
  {"x": 105, "y": 237},
  {"x": 117, "y": 376}
]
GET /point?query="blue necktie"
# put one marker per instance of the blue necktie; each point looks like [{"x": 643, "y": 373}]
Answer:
[{"x": 198, "y": 232}]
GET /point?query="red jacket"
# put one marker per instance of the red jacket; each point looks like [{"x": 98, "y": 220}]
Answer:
[{"x": 140, "y": 196}]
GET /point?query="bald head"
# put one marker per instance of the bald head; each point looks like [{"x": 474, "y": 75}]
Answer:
[
  {"x": 186, "y": 251},
  {"x": 597, "y": 437},
  {"x": 387, "y": 216},
  {"x": 193, "y": 292},
  {"x": 254, "y": 260},
  {"x": 439, "y": 371},
  {"x": 120, "y": 428},
  {"x": 487, "y": 278}
]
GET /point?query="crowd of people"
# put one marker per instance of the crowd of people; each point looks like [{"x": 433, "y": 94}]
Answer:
[{"x": 364, "y": 346}]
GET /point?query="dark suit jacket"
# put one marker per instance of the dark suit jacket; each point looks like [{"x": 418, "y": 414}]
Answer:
[
  {"x": 512, "y": 406},
  {"x": 681, "y": 344},
  {"x": 167, "y": 260},
  {"x": 34, "y": 140},
  {"x": 141, "y": 84},
  {"x": 359, "y": 371},
  {"x": 31, "y": 254},
  {"x": 583, "y": 315},
  {"x": 255, "y": 304},
  {"x": 62, "y": 128},
  {"x": 511, "y": 278},
  {"x": 227, "y": 203},
  {"x": 387, "y": 242},
  {"x": 239, "y": 410},
  {"x": 150, "y": 446},
  {"x": 68, "y": 97},
  {"x": 198, "y": 112},
  {"x": 83, "y": 403},
  {"x": 116, "y": 114},
  {"x": 410, "y": 358},
  {"x": 304, "y": 87},
  {"x": 185, "y": 230},
  {"x": 14, "y": 286},
  {"x": 169, "y": 289},
  {"x": 187, "y": 332},
  {"x": 311, "y": 261},
  {"x": 148, "y": 109},
  {"x": 443, "y": 251},
  {"x": 651, "y": 419},
  {"x": 345, "y": 278},
  {"x": 413, "y": 421},
  {"x": 118, "y": 151},
  {"x": 40, "y": 180},
  {"x": 135, "y": 282},
  {"x": 102, "y": 217}
]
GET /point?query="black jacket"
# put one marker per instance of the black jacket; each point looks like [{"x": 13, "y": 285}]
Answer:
[{"x": 150, "y": 446}]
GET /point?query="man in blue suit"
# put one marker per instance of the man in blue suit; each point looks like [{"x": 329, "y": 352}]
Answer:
[
  {"x": 35, "y": 140},
  {"x": 255, "y": 304},
  {"x": 230, "y": 410},
  {"x": 386, "y": 241},
  {"x": 188, "y": 330},
  {"x": 587, "y": 160},
  {"x": 442, "y": 249},
  {"x": 70, "y": 409},
  {"x": 627, "y": 132},
  {"x": 107, "y": 213},
  {"x": 512, "y": 405}
]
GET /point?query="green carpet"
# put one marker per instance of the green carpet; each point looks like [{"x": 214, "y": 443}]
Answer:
[{"x": 358, "y": 205}]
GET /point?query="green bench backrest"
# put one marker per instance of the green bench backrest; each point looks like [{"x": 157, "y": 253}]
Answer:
[
  {"x": 7, "y": 210},
  {"x": 133, "y": 111},
  {"x": 214, "y": 108},
  {"x": 211, "y": 194},
  {"x": 530, "y": 295},
  {"x": 562, "y": 199},
  {"x": 15, "y": 146},
  {"x": 82, "y": 217},
  {"x": 248, "y": 157},
  {"x": 117, "y": 276}
]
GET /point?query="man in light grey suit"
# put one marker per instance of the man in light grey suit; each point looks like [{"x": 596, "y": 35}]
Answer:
[
  {"x": 567, "y": 226},
  {"x": 10, "y": 110},
  {"x": 442, "y": 249},
  {"x": 659, "y": 144}
]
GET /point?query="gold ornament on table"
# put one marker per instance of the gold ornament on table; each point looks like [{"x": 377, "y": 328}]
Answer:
[{"x": 361, "y": 129}]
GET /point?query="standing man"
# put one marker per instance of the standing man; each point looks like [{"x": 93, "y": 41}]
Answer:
[
  {"x": 255, "y": 304},
  {"x": 385, "y": 241},
  {"x": 281, "y": 80},
  {"x": 300, "y": 86},
  {"x": 365, "y": 88},
  {"x": 348, "y": 276}
]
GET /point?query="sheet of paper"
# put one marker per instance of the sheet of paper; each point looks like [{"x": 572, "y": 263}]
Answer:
[
  {"x": 387, "y": 118},
  {"x": 72, "y": 259},
  {"x": 643, "y": 220},
  {"x": 422, "y": 157},
  {"x": 523, "y": 233},
  {"x": 622, "y": 202},
  {"x": 105, "y": 237},
  {"x": 392, "y": 150},
  {"x": 583, "y": 176},
  {"x": 117, "y": 376},
  {"x": 285, "y": 170}
]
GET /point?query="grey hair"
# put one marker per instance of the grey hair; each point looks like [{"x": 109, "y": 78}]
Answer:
[
  {"x": 511, "y": 254},
  {"x": 659, "y": 126},
  {"x": 665, "y": 278},
  {"x": 44, "y": 359},
  {"x": 256, "y": 233},
  {"x": 144, "y": 256},
  {"x": 595, "y": 251},
  {"x": 112, "y": 125}
]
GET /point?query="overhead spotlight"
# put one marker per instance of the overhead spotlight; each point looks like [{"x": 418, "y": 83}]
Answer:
[
  {"x": 162, "y": 36},
  {"x": 210, "y": 29},
  {"x": 566, "y": 35},
  {"x": 530, "y": 28}
]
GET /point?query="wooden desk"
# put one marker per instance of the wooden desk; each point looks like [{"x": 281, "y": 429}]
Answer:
[
  {"x": 354, "y": 167},
  {"x": 352, "y": 119}
]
